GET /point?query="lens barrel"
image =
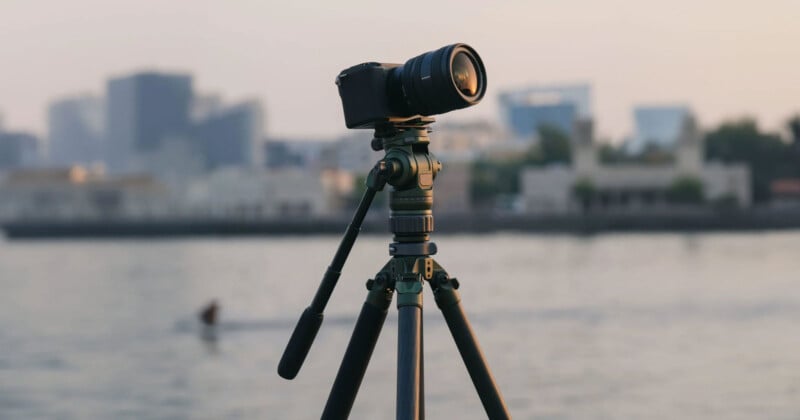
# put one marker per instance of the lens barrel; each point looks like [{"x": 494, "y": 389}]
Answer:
[{"x": 450, "y": 78}]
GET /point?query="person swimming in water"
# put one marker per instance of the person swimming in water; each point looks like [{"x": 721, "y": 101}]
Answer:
[{"x": 209, "y": 314}]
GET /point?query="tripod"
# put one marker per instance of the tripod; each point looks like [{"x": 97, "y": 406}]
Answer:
[{"x": 410, "y": 169}]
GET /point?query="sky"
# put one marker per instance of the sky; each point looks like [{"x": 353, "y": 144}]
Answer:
[{"x": 725, "y": 59}]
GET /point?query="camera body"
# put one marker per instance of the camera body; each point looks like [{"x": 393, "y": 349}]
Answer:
[
  {"x": 450, "y": 78},
  {"x": 364, "y": 89}
]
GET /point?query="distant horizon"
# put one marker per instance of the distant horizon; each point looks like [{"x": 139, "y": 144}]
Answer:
[{"x": 725, "y": 61}]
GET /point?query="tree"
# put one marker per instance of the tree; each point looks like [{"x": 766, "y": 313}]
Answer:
[
  {"x": 653, "y": 154},
  {"x": 359, "y": 187},
  {"x": 766, "y": 154},
  {"x": 794, "y": 128},
  {"x": 686, "y": 190},
  {"x": 554, "y": 145},
  {"x": 610, "y": 154},
  {"x": 584, "y": 190},
  {"x": 493, "y": 178}
]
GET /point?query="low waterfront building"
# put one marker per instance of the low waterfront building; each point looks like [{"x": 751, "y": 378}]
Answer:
[
  {"x": 785, "y": 193},
  {"x": 451, "y": 193},
  {"x": 587, "y": 184},
  {"x": 464, "y": 142},
  {"x": 71, "y": 194},
  {"x": 252, "y": 194},
  {"x": 230, "y": 194}
]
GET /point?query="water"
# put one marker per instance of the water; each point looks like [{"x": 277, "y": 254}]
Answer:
[{"x": 613, "y": 326}]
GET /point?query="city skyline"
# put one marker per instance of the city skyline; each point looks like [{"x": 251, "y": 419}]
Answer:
[{"x": 725, "y": 60}]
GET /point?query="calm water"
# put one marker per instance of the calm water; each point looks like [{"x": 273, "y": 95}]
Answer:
[{"x": 616, "y": 326}]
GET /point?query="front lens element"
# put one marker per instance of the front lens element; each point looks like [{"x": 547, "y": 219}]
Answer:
[{"x": 465, "y": 75}]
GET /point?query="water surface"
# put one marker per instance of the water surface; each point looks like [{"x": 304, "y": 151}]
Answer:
[{"x": 612, "y": 326}]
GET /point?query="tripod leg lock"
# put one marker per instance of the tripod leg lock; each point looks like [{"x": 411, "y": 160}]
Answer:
[
  {"x": 380, "y": 174},
  {"x": 380, "y": 291},
  {"x": 409, "y": 291},
  {"x": 445, "y": 290}
]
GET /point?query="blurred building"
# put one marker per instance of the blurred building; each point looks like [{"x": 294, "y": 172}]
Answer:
[
  {"x": 631, "y": 187},
  {"x": 351, "y": 153},
  {"x": 248, "y": 193},
  {"x": 657, "y": 126},
  {"x": 452, "y": 190},
  {"x": 204, "y": 106},
  {"x": 79, "y": 194},
  {"x": 176, "y": 161},
  {"x": 278, "y": 154},
  {"x": 464, "y": 142},
  {"x": 142, "y": 110},
  {"x": 231, "y": 136},
  {"x": 558, "y": 106},
  {"x": 295, "y": 153},
  {"x": 75, "y": 130},
  {"x": 785, "y": 193},
  {"x": 19, "y": 150}
]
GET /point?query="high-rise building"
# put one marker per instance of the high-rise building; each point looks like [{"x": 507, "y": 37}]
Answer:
[
  {"x": 278, "y": 154},
  {"x": 204, "y": 106},
  {"x": 142, "y": 110},
  {"x": 295, "y": 153},
  {"x": 232, "y": 136},
  {"x": 658, "y": 126},
  {"x": 18, "y": 150},
  {"x": 74, "y": 130},
  {"x": 558, "y": 106}
]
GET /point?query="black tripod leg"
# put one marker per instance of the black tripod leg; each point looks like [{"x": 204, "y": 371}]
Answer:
[
  {"x": 409, "y": 341},
  {"x": 359, "y": 350},
  {"x": 449, "y": 301},
  {"x": 421, "y": 364}
]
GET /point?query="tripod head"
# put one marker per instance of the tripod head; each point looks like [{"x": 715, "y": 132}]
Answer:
[{"x": 413, "y": 170}]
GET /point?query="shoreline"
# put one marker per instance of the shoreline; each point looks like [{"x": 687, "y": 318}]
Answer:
[{"x": 704, "y": 221}]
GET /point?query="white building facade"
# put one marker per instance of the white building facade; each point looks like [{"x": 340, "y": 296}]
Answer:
[{"x": 631, "y": 187}]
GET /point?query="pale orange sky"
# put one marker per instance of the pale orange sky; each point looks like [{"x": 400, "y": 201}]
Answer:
[{"x": 724, "y": 58}]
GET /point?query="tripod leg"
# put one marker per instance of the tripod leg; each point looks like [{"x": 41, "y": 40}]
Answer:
[
  {"x": 449, "y": 302},
  {"x": 359, "y": 350},
  {"x": 409, "y": 325},
  {"x": 421, "y": 364}
]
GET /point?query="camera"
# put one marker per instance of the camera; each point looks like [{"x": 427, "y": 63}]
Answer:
[{"x": 450, "y": 78}]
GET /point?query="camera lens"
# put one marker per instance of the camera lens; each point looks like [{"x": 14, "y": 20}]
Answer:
[
  {"x": 450, "y": 78},
  {"x": 465, "y": 75}
]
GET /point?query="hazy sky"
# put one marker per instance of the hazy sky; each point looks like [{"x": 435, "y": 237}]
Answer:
[{"x": 724, "y": 58}]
